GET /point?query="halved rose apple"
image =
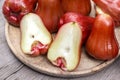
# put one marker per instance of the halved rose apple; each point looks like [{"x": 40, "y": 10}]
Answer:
[
  {"x": 35, "y": 38},
  {"x": 65, "y": 51}
]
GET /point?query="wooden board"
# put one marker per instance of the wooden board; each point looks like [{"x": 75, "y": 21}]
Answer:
[{"x": 87, "y": 65}]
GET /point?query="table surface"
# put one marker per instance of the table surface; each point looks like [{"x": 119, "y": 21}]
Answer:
[{"x": 12, "y": 69}]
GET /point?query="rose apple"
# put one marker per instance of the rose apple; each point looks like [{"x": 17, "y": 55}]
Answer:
[
  {"x": 14, "y": 10},
  {"x": 35, "y": 38},
  {"x": 65, "y": 51},
  {"x": 50, "y": 11}
]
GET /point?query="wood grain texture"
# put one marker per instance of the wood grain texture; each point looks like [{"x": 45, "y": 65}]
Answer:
[
  {"x": 12, "y": 69},
  {"x": 87, "y": 64}
]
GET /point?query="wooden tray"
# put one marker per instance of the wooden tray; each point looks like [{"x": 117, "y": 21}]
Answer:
[{"x": 87, "y": 64}]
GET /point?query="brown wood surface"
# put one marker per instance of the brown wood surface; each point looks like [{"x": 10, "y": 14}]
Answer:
[
  {"x": 87, "y": 65},
  {"x": 13, "y": 69}
]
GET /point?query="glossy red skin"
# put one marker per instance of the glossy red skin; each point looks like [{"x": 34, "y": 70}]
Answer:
[
  {"x": 85, "y": 23},
  {"x": 102, "y": 43},
  {"x": 111, "y": 7},
  {"x": 79, "y": 6},
  {"x": 50, "y": 11},
  {"x": 14, "y": 10}
]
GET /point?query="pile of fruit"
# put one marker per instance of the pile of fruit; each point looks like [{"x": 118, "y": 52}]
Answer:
[{"x": 74, "y": 28}]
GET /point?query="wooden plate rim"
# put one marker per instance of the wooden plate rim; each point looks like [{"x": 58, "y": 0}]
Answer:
[{"x": 67, "y": 75}]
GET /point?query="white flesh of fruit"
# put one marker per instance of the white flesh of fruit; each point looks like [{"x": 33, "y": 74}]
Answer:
[
  {"x": 33, "y": 29},
  {"x": 67, "y": 45}
]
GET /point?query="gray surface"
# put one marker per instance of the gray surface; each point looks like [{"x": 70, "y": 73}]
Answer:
[{"x": 12, "y": 69}]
